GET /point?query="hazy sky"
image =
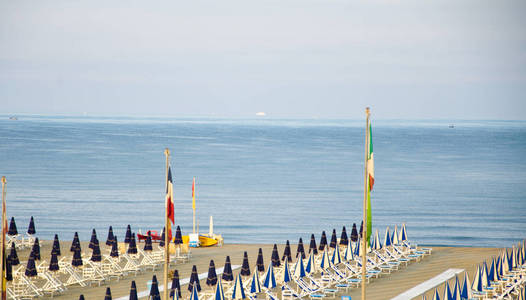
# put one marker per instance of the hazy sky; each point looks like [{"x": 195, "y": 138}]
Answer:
[{"x": 288, "y": 58}]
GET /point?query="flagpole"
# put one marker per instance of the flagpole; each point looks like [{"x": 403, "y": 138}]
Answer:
[
  {"x": 2, "y": 250},
  {"x": 166, "y": 239},
  {"x": 364, "y": 232},
  {"x": 193, "y": 205}
]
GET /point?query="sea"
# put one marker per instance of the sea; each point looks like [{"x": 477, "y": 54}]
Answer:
[{"x": 267, "y": 180}]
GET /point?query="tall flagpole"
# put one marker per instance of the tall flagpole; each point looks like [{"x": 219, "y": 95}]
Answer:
[
  {"x": 193, "y": 204},
  {"x": 2, "y": 250},
  {"x": 364, "y": 233},
  {"x": 166, "y": 239}
]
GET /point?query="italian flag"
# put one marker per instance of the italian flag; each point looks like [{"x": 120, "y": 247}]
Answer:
[{"x": 370, "y": 181}]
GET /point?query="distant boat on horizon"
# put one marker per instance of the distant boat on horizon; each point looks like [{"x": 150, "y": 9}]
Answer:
[
  {"x": 451, "y": 126},
  {"x": 261, "y": 114},
  {"x": 13, "y": 118}
]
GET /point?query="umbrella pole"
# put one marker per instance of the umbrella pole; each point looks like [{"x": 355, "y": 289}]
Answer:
[
  {"x": 3, "y": 282},
  {"x": 364, "y": 233},
  {"x": 166, "y": 239}
]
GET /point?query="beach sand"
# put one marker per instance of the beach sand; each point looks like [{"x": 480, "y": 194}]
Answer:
[{"x": 385, "y": 287}]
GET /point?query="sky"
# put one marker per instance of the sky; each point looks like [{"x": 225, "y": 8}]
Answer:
[{"x": 412, "y": 59}]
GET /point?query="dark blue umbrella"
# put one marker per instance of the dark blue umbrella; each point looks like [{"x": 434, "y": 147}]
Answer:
[
  {"x": 361, "y": 229},
  {"x": 334, "y": 239},
  {"x": 56, "y": 246},
  {"x": 133, "y": 291},
  {"x": 344, "y": 240},
  {"x": 154, "y": 290},
  {"x": 96, "y": 255},
  {"x": 31, "y": 228},
  {"x": 53, "y": 264},
  {"x": 13, "y": 256},
  {"x": 108, "y": 294},
  {"x": 194, "y": 279},
  {"x": 114, "y": 248},
  {"x": 312, "y": 246},
  {"x": 148, "y": 243},
  {"x": 132, "y": 246},
  {"x": 275, "y": 257},
  {"x": 178, "y": 236},
  {"x": 77, "y": 259},
  {"x": 176, "y": 286},
  {"x": 31, "y": 270},
  {"x": 354, "y": 233},
  {"x": 286, "y": 252},
  {"x": 163, "y": 237},
  {"x": 35, "y": 251},
  {"x": 93, "y": 239},
  {"x": 300, "y": 250},
  {"x": 323, "y": 241},
  {"x": 12, "y": 227},
  {"x": 227, "y": 270},
  {"x": 259, "y": 262},
  {"x": 211, "y": 279},
  {"x": 81, "y": 297},
  {"x": 127, "y": 238},
  {"x": 111, "y": 237},
  {"x": 245, "y": 267},
  {"x": 75, "y": 244},
  {"x": 8, "y": 271}
]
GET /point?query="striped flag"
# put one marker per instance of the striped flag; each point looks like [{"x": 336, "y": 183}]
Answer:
[
  {"x": 170, "y": 214},
  {"x": 370, "y": 182}
]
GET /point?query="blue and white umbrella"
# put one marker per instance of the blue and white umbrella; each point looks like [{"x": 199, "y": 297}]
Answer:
[
  {"x": 466, "y": 287},
  {"x": 394, "y": 239},
  {"x": 514, "y": 258},
  {"x": 325, "y": 262},
  {"x": 505, "y": 262},
  {"x": 491, "y": 273},
  {"x": 436, "y": 296},
  {"x": 195, "y": 293},
  {"x": 255, "y": 286},
  {"x": 484, "y": 278},
  {"x": 403, "y": 234},
  {"x": 477, "y": 282},
  {"x": 387, "y": 239},
  {"x": 376, "y": 244},
  {"x": 456, "y": 290},
  {"x": 447, "y": 292},
  {"x": 270, "y": 278},
  {"x": 336, "y": 257},
  {"x": 299, "y": 269},
  {"x": 220, "y": 295},
  {"x": 239, "y": 291},
  {"x": 348, "y": 255},
  {"x": 357, "y": 248},
  {"x": 311, "y": 264},
  {"x": 286, "y": 272}
]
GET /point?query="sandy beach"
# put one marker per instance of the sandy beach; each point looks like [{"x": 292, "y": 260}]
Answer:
[{"x": 385, "y": 287}]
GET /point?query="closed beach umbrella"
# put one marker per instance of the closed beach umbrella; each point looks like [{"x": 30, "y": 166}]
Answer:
[
  {"x": 96, "y": 255},
  {"x": 35, "y": 251},
  {"x": 505, "y": 262},
  {"x": 287, "y": 252},
  {"x": 212, "y": 276},
  {"x": 75, "y": 244},
  {"x": 484, "y": 275},
  {"x": 300, "y": 250},
  {"x": 13, "y": 256},
  {"x": 334, "y": 239},
  {"x": 354, "y": 233},
  {"x": 492, "y": 274},
  {"x": 447, "y": 292},
  {"x": 239, "y": 291},
  {"x": 12, "y": 227},
  {"x": 275, "y": 257},
  {"x": 133, "y": 291},
  {"x": 111, "y": 237},
  {"x": 344, "y": 240},
  {"x": 255, "y": 286},
  {"x": 108, "y": 294},
  {"x": 336, "y": 257},
  {"x": 114, "y": 248},
  {"x": 148, "y": 243},
  {"x": 176, "y": 285},
  {"x": 194, "y": 280},
  {"x": 403, "y": 234},
  {"x": 394, "y": 237},
  {"x": 387, "y": 239},
  {"x": 127, "y": 237},
  {"x": 154, "y": 289},
  {"x": 93, "y": 239},
  {"x": 514, "y": 258},
  {"x": 299, "y": 269},
  {"x": 56, "y": 246},
  {"x": 270, "y": 278},
  {"x": 325, "y": 262},
  {"x": 259, "y": 261},
  {"x": 376, "y": 244},
  {"x": 178, "y": 236},
  {"x": 286, "y": 272},
  {"x": 77, "y": 259},
  {"x": 436, "y": 296},
  {"x": 312, "y": 246},
  {"x": 81, "y": 297},
  {"x": 53, "y": 263},
  {"x": 323, "y": 241},
  {"x": 227, "y": 270},
  {"x": 132, "y": 246},
  {"x": 456, "y": 289},
  {"x": 311, "y": 264},
  {"x": 348, "y": 255},
  {"x": 161, "y": 242},
  {"x": 466, "y": 293},
  {"x": 195, "y": 294},
  {"x": 31, "y": 229},
  {"x": 245, "y": 267},
  {"x": 220, "y": 294},
  {"x": 357, "y": 249},
  {"x": 31, "y": 270},
  {"x": 8, "y": 271},
  {"x": 477, "y": 282},
  {"x": 361, "y": 230}
]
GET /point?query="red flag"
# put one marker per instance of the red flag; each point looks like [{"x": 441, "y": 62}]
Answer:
[{"x": 170, "y": 214}]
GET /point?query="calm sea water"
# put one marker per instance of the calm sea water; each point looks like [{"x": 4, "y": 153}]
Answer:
[{"x": 267, "y": 180}]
